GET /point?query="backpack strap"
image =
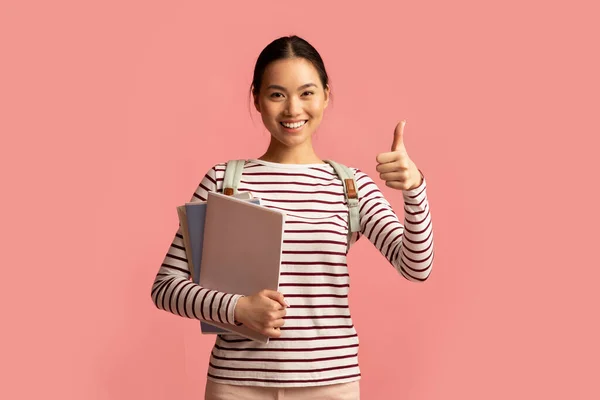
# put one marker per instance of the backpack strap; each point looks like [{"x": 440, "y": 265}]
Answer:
[
  {"x": 233, "y": 175},
  {"x": 351, "y": 193}
]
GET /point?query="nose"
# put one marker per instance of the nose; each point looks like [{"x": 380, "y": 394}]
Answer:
[{"x": 292, "y": 106}]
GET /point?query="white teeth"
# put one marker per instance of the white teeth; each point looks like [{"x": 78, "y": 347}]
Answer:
[{"x": 294, "y": 125}]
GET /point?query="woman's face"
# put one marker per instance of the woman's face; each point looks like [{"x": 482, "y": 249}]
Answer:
[{"x": 291, "y": 92}]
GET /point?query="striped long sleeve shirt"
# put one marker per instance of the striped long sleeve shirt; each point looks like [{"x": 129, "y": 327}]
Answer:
[{"x": 318, "y": 343}]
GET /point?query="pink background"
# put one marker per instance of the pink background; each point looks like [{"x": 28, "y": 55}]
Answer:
[{"x": 111, "y": 112}]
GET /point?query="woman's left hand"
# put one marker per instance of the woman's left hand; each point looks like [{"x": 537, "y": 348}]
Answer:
[{"x": 395, "y": 167}]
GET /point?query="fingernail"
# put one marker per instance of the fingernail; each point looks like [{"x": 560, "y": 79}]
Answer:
[{"x": 286, "y": 302}]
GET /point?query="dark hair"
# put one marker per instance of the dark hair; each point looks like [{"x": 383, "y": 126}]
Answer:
[{"x": 287, "y": 47}]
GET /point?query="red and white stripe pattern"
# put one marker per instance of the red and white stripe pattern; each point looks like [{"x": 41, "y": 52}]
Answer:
[{"x": 318, "y": 343}]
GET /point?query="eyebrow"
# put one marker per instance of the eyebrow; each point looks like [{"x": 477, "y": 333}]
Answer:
[{"x": 300, "y": 88}]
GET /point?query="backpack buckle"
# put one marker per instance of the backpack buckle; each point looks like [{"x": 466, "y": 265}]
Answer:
[{"x": 351, "y": 189}]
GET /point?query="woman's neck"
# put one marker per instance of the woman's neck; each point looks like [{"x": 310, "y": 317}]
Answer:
[{"x": 287, "y": 155}]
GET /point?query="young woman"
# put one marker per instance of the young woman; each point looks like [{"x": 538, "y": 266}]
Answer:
[{"x": 313, "y": 351}]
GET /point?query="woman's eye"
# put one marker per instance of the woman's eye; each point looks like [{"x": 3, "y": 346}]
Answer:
[{"x": 278, "y": 95}]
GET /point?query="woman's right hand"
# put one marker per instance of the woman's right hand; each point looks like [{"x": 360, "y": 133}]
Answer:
[{"x": 262, "y": 312}]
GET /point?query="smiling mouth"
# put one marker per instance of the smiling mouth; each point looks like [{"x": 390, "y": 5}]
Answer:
[{"x": 294, "y": 125}]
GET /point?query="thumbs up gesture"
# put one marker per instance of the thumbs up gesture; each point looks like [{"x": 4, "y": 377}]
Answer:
[{"x": 395, "y": 167}]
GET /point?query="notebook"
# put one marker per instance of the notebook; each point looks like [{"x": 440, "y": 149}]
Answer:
[
  {"x": 191, "y": 217},
  {"x": 196, "y": 214},
  {"x": 241, "y": 252}
]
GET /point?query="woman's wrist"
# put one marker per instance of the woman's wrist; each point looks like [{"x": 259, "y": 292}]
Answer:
[{"x": 238, "y": 312}]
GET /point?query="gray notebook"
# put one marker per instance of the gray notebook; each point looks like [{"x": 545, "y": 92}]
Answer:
[
  {"x": 191, "y": 217},
  {"x": 195, "y": 215},
  {"x": 241, "y": 252}
]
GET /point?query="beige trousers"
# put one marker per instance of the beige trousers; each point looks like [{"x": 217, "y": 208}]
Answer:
[{"x": 341, "y": 391}]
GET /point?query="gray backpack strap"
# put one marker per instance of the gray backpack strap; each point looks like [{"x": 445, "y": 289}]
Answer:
[
  {"x": 351, "y": 193},
  {"x": 233, "y": 175}
]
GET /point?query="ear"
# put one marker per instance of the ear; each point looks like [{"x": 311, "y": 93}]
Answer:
[
  {"x": 326, "y": 96},
  {"x": 256, "y": 103}
]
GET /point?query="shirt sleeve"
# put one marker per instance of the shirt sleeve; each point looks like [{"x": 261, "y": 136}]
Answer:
[
  {"x": 173, "y": 290},
  {"x": 409, "y": 246}
]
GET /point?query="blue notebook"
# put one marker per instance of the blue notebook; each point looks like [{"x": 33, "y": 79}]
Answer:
[{"x": 195, "y": 216}]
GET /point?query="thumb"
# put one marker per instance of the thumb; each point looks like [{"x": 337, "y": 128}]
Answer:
[
  {"x": 399, "y": 136},
  {"x": 278, "y": 297}
]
